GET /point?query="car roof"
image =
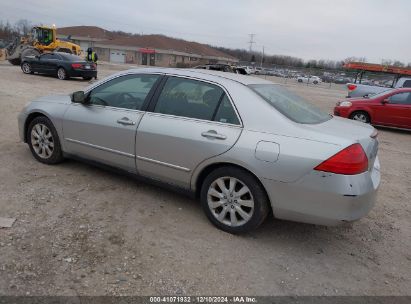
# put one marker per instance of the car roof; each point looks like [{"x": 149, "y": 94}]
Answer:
[{"x": 200, "y": 73}]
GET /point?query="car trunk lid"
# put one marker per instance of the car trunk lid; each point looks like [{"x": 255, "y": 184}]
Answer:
[{"x": 338, "y": 128}]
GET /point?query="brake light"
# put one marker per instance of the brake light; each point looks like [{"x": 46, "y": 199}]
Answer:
[
  {"x": 350, "y": 161},
  {"x": 76, "y": 65},
  {"x": 351, "y": 87}
]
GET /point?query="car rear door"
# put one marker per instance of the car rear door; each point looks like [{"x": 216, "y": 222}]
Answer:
[
  {"x": 188, "y": 122},
  {"x": 104, "y": 129}
]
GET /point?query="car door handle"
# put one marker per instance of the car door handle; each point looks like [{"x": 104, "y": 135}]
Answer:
[
  {"x": 213, "y": 134},
  {"x": 126, "y": 121}
]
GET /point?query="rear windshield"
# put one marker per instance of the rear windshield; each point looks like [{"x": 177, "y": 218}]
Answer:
[
  {"x": 70, "y": 57},
  {"x": 292, "y": 106}
]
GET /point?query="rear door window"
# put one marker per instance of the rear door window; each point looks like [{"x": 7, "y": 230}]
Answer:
[
  {"x": 189, "y": 98},
  {"x": 226, "y": 112}
]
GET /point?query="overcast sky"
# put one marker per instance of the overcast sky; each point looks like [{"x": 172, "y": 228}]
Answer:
[{"x": 317, "y": 29}]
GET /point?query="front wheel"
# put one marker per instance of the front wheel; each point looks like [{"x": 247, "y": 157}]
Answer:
[
  {"x": 43, "y": 141},
  {"x": 61, "y": 74},
  {"x": 361, "y": 116},
  {"x": 234, "y": 200}
]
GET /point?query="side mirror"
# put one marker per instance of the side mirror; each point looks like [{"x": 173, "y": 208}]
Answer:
[
  {"x": 78, "y": 97},
  {"x": 385, "y": 101},
  {"x": 37, "y": 56}
]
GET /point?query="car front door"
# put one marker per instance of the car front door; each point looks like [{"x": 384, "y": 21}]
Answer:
[
  {"x": 188, "y": 122},
  {"x": 104, "y": 129},
  {"x": 43, "y": 65},
  {"x": 396, "y": 112}
]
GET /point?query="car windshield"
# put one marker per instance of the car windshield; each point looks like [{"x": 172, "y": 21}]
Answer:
[
  {"x": 292, "y": 106},
  {"x": 70, "y": 57},
  {"x": 377, "y": 95}
]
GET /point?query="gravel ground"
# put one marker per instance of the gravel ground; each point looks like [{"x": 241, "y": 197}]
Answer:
[{"x": 81, "y": 230}]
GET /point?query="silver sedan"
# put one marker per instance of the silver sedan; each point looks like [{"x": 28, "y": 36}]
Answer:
[{"x": 244, "y": 146}]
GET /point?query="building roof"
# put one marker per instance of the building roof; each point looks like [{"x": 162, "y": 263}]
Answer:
[
  {"x": 144, "y": 41},
  {"x": 85, "y": 31},
  {"x": 167, "y": 43}
]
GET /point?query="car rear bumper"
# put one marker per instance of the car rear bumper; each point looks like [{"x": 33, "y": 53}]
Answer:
[
  {"x": 325, "y": 198},
  {"x": 83, "y": 73}
]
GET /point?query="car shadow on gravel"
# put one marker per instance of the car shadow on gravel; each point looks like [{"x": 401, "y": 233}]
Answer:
[
  {"x": 271, "y": 229},
  {"x": 78, "y": 79}
]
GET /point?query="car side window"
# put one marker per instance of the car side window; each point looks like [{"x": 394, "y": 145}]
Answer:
[
  {"x": 127, "y": 92},
  {"x": 407, "y": 84},
  {"x": 401, "y": 98},
  {"x": 226, "y": 112},
  {"x": 47, "y": 56},
  {"x": 189, "y": 98}
]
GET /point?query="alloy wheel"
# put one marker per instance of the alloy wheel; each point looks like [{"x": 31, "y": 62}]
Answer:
[
  {"x": 42, "y": 141},
  {"x": 61, "y": 74},
  {"x": 360, "y": 117},
  {"x": 26, "y": 68},
  {"x": 230, "y": 201}
]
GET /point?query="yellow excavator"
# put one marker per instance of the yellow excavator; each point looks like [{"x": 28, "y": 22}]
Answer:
[{"x": 42, "y": 39}]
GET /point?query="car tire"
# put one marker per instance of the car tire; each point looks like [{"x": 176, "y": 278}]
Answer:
[
  {"x": 300, "y": 80},
  {"x": 26, "y": 68},
  {"x": 223, "y": 207},
  {"x": 361, "y": 116},
  {"x": 315, "y": 82},
  {"x": 61, "y": 74},
  {"x": 44, "y": 141}
]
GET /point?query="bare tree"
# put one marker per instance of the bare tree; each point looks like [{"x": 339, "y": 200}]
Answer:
[{"x": 23, "y": 26}]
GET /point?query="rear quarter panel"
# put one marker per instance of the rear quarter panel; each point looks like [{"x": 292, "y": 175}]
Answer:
[{"x": 297, "y": 157}]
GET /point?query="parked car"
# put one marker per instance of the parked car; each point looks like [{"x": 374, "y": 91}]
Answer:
[
  {"x": 390, "y": 108},
  {"x": 248, "y": 70},
  {"x": 243, "y": 145},
  {"x": 364, "y": 88},
  {"x": 309, "y": 79},
  {"x": 62, "y": 65}
]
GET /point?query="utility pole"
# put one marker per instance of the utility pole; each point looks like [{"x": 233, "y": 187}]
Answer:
[
  {"x": 251, "y": 42},
  {"x": 262, "y": 58}
]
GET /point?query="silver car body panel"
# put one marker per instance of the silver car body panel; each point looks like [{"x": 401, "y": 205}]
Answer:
[
  {"x": 102, "y": 133},
  {"x": 174, "y": 149}
]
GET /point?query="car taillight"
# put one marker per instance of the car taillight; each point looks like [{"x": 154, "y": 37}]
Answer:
[
  {"x": 93, "y": 66},
  {"x": 351, "y": 87},
  {"x": 76, "y": 65},
  {"x": 352, "y": 160}
]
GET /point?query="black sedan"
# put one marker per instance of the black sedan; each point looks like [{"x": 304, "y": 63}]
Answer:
[{"x": 62, "y": 65}]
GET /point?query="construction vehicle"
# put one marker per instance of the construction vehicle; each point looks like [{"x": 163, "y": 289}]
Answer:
[{"x": 42, "y": 39}]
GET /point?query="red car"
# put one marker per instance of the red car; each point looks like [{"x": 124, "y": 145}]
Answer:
[{"x": 391, "y": 108}]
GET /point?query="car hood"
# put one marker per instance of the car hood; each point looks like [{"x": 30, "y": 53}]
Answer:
[{"x": 63, "y": 99}]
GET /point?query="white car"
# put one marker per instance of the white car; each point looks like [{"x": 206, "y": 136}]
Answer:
[{"x": 309, "y": 79}]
